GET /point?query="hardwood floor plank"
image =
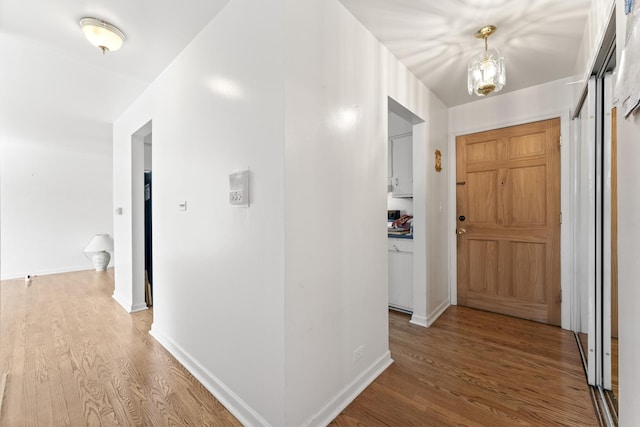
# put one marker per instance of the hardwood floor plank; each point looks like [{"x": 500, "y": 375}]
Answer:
[
  {"x": 13, "y": 363},
  {"x": 30, "y": 405},
  {"x": 71, "y": 394},
  {"x": 75, "y": 358},
  {"x": 476, "y": 368},
  {"x": 60, "y": 413}
]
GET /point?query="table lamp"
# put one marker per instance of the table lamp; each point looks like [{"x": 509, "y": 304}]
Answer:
[{"x": 98, "y": 249}]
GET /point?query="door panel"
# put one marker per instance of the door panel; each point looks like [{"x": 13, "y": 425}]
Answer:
[
  {"x": 482, "y": 198},
  {"x": 482, "y": 151},
  {"x": 483, "y": 268},
  {"x": 526, "y": 145},
  {"x": 527, "y": 197},
  {"x": 528, "y": 271},
  {"x": 509, "y": 241}
]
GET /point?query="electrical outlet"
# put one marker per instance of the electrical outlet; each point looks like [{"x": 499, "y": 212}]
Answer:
[{"x": 358, "y": 353}]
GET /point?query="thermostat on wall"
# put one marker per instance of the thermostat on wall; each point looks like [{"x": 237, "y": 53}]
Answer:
[{"x": 239, "y": 188}]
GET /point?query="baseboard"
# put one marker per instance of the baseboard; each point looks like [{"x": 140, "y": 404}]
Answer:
[
  {"x": 243, "y": 412},
  {"x": 433, "y": 316},
  {"x": 122, "y": 301},
  {"x": 238, "y": 407},
  {"x": 419, "y": 320},
  {"x": 350, "y": 392},
  {"x": 425, "y": 322},
  {"x": 138, "y": 307},
  {"x": 127, "y": 305},
  {"x": 46, "y": 272}
]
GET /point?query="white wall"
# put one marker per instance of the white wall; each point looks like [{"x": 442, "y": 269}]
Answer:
[
  {"x": 218, "y": 270},
  {"x": 628, "y": 253},
  {"x": 55, "y": 162},
  {"x": 53, "y": 201},
  {"x": 402, "y": 204},
  {"x": 546, "y": 101},
  {"x": 266, "y": 304},
  {"x": 335, "y": 199},
  {"x": 337, "y": 84}
]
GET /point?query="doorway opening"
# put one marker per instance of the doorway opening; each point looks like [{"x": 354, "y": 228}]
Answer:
[
  {"x": 148, "y": 225},
  {"x": 406, "y": 212},
  {"x": 141, "y": 229}
]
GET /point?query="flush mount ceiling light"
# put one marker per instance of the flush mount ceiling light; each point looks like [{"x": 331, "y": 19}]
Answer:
[
  {"x": 486, "y": 71},
  {"x": 102, "y": 34}
]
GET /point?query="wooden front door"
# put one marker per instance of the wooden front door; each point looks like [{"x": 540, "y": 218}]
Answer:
[{"x": 508, "y": 220}]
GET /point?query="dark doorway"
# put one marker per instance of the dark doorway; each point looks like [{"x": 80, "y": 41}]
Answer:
[{"x": 148, "y": 254}]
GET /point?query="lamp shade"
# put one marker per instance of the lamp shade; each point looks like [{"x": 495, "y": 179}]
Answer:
[
  {"x": 102, "y": 34},
  {"x": 99, "y": 243}
]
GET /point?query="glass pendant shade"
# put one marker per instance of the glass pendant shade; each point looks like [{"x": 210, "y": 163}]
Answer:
[{"x": 486, "y": 73}]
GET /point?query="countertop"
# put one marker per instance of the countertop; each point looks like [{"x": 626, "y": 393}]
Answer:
[{"x": 400, "y": 236}]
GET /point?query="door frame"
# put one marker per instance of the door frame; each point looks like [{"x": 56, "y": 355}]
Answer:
[
  {"x": 421, "y": 315},
  {"x": 129, "y": 283},
  {"x": 567, "y": 191}
]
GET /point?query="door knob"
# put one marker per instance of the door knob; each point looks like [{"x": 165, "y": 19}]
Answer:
[{"x": 460, "y": 231}]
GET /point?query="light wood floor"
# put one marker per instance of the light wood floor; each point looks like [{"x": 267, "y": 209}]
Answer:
[{"x": 75, "y": 358}]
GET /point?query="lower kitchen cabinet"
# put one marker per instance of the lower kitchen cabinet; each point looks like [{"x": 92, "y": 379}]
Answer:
[{"x": 401, "y": 274}]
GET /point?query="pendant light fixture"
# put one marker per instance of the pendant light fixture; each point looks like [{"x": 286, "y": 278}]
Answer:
[
  {"x": 486, "y": 72},
  {"x": 102, "y": 34}
]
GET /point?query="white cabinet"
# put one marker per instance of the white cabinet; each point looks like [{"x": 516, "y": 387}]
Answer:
[
  {"x": 401, "y": 274},
  {"x": 401, "y": 148}
]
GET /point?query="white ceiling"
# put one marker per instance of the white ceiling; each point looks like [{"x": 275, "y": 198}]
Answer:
[
  {"x": 52, "y": 79},
  {"x": 156, "y": 30},
  {"x": 435, "y": 38}
]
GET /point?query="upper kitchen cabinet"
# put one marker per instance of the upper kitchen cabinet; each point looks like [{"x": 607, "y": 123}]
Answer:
[{"x": 401, "y": 162}]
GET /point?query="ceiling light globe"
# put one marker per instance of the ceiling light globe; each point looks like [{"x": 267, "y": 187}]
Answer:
[{"x": 102, "y": 34}]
